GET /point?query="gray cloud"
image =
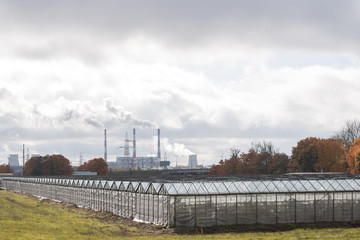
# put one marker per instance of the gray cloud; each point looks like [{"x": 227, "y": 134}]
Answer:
[
  {"x": 5, "y": 93},
  {"x": 303, "y": 24},
  {"x": 92, "y": 122},
  {"x": 200, "y": 70}
]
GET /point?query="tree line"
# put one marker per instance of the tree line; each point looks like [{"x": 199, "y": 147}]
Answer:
[
  {"x": 59, "y": 165},
  {"x": 340, "y": 153}
]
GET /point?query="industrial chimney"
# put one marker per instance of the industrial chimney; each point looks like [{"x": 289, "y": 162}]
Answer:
[
  {"x": 105, "y": 146},
  {"x": 134, "y": 143},
  {"x": 159, "y": 153}
]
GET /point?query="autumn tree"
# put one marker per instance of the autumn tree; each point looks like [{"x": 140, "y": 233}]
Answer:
[
  {"x": 261, "y": 158},
  {"x": 279, "y": 164},
  {"x": 304, "y": 156},
  {"x": 5, "y": 168},
  {"x": 331, "y": 155},
  {"x": 349, "y": 133},
  {"x": 47, "y": 165},
  {"x": 95, "y": 165},
  {"x": 33, "y": 167},
  {"x": 315, "y": 154},
  {"x": 353, "y": 157}
]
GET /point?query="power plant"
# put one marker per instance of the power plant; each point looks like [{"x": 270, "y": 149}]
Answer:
[{"x": 134, "y": 161}]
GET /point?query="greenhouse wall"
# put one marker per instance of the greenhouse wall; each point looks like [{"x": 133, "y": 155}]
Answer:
[
  {"x": 144, "y": 207},
  {"x": 202, "y": 210}
]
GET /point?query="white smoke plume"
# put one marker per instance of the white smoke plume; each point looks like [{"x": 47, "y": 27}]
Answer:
[
  {"x": 120, "y": 114},
  {"x": 177, "y": 149}
]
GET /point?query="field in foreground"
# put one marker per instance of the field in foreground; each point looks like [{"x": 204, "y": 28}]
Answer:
[{"x": 27, "y": 217}]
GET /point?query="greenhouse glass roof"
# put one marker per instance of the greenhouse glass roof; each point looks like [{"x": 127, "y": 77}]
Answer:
[{"x": 208, "y": 187}]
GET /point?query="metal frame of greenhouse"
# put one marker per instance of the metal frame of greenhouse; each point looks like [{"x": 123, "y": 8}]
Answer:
[{"x": 204, "y": 203}]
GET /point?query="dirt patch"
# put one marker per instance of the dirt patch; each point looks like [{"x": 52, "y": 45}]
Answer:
[{"x": 15, "y": 202}]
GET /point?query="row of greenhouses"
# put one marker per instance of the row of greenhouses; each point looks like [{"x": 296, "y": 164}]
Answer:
[{"x": 206, "y": 203}]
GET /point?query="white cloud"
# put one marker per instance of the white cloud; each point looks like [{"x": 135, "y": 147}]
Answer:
[{"x": 244, "y": 73}]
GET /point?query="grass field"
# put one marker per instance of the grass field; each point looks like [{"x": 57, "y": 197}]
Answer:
[{"x": 26, "y": 217}]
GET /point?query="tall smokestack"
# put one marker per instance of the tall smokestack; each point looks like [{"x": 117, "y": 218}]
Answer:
[
  {"x": 159, "y": 154},
  {"x": 134, "y": 143},
  {"x": 23, "y": 155},
  {"x": 105, "y": 146}
]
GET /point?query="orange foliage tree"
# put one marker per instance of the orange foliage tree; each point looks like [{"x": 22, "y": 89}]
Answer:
[
  {"x": 331, "y": 155},
  {"x": 353, "y": 158},
  {"x": 95, "y": 165},
  {"x": 47, "y": 165},
  {"x": 261, "y": 159},
  {"x": 5, "y": 168},
  {"x": 315, "y": 154}
]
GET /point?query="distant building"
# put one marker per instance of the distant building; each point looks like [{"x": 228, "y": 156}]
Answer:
[
  {"x": 14, "y": 160},
  {"x": 138, "y": 162},
  {"x": 192, "y": 161},
  {"x": 84, "y": 173}
]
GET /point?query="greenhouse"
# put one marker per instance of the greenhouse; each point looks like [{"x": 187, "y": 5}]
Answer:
[{"x": 203, "y": 203}]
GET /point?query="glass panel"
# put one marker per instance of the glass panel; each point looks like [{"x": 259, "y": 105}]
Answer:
[
  {"x": 100, "y": 185},
  {"x": 124, "y": 185},
  {"x": 261, "y": 186},
  {"x": 140, "y": 189},
  {"x": 336, "y": 185},
  {"x": 317, "y": 185},
  {"x": 180, "y": 188},
  {"x": 328, "y": 187},
  {"x": 308, "y": 186},
  {"x": 211, "y": 188},
  {"x": 190, "y": 188},
  {"x": 241, "y": 186},
  {"x": 163, "y": 190},
  {"x": 356, "y": 187},
  {"x": 89, "y": 184},
  {"x": 271, "y": 186},
  {"x": 346, "y": 185},
  {"x": 221, "y": 187},
  {"x": 135, "y": 185},
  {"x": 231, "y": 187},
  {"x": 95, "y": 183},
  {"x": 280, "y": 186},
  {"x": 251, "y": 186},
  {"x": 157, "y": 186},
  {"x": 169, "y": 188},
  {"x": 289, "y": 185},
  {"x": 108, "y": 184},
  {"x": 145, "y": 186},
  {"x": 130, "y": 188},
  {"x": 200, "y": 188},
  {"x": 298, "y": 186}
]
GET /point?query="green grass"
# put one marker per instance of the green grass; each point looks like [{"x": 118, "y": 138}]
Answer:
[{"x": 25, "y": 217}]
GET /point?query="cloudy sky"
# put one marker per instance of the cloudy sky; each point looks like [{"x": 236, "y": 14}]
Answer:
[{"x": 213, "y": 75}]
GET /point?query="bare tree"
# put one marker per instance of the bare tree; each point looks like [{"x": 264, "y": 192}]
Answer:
[
  {"x": 235, "y": 152},
  {"x": 264, "y": 146},
  {"x": 349, "y": 133}
]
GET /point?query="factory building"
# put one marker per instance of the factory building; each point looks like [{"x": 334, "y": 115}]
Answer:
[
  {"x": 14, "y": 160},
  {"x": 192, "y": 161},
  {"x": 134, "y": 162}
]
